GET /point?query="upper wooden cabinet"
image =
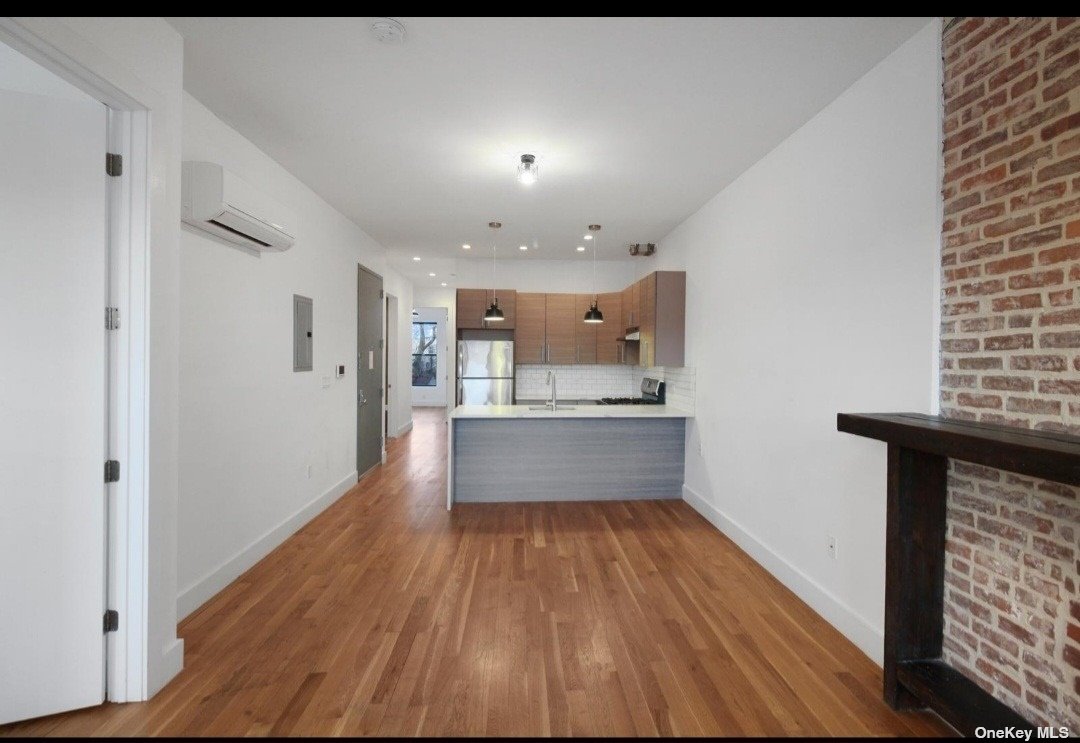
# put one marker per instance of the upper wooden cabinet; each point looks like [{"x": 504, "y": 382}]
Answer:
[
  {"x": 473, "y": 303},
  {"x": 663, "y": 319},
  {"x": 584, "y": 332},
  {"x": 628, "y": 307},
  {"x": 550, "y": 328},
  {"x": 610, "y": 350},
  {"x": 529, "y": 334},
  {"x": 647, "y": 325},
  {"x": 560, "y": 329}
]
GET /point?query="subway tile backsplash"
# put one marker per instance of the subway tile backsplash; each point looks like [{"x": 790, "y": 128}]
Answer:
[
  {"x": 593, "y": 381},
  {"x": 679, "y": 383},
  {"x": 575, "y": 381}
]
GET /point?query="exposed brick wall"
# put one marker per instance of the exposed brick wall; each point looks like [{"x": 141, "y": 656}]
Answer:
[{"x": 1010, "y": 352}]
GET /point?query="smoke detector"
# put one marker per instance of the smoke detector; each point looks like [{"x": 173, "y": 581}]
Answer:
[{"x": 388, "y": 30}]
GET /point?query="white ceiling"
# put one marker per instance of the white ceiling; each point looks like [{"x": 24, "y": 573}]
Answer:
[{"x": 635, "y": 122}]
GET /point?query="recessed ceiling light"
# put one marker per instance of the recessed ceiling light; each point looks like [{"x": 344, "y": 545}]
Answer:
[
  {"x": 523, "y": 247},
  {"x": 581, "y": 248},
  {"x": 443, "y": 284},
  {"x": 466, "y": 246},
  {"x": 416, "y": 258},
  {"x": 388, "y": 30},
  {"x": 432, "y": 274},
  {"x": 588, "y": 237}
]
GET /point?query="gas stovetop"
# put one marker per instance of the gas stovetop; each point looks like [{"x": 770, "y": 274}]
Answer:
[{"x": 652, "y": 393}]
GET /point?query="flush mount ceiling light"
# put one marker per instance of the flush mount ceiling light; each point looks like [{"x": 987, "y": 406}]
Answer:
[
  {"x": 388, "y": 30},
  {"x": 466, "y": 246},
  {"x": 527, "y": 170},
  {"x": 493, "y": 313},
  {"x": 593, "y": 315}
]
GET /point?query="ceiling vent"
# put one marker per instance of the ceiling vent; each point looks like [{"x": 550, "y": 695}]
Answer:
[
  {"x": 643, "y": 250},
  {"x": 388, "y": 30}
]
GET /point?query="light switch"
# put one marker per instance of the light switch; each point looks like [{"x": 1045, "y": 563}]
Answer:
[{"x": 370, "y": 360}]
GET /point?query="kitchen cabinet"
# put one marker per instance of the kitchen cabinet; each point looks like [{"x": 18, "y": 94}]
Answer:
[
  {"x": 609, "y": 350},
  {"x": 529, "y": 333},
  {"x": 647, "y": 326},
  {"x": 560, "y": 328},
  {"x": 628, "y": 307},
  {"x": 663, "y": 319},
  {"x": 584, "y": 333},
  {"x": 473, "y": 303}
]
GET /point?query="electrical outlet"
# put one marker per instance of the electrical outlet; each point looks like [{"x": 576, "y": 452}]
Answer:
[{"x": 832, "y": 546}]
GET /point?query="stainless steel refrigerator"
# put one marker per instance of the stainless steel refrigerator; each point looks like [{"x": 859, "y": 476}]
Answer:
[{"x": 485, "y": 372}]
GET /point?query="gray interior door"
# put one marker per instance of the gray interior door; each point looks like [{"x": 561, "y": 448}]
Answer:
[{"x": 369, "y": 369}]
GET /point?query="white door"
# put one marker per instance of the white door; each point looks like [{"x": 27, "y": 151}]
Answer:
[{"x": 52, "y": 402}]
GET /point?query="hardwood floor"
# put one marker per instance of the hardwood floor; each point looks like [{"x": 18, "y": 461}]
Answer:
[{"x": 387, "y": 615}]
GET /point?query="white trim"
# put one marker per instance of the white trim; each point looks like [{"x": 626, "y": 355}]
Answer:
[
  {"x": 935, "y": 256},
  {"x": 865, "y": 635},
  {"x": 205, "y": 588},
  {"x": 404, "y": 429},
  {"x": 56, "y": 48}
]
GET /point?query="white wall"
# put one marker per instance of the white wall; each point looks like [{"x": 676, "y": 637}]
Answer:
[
  {"x": 810, "y": 292},
  {"x": 545, "y": 275},
  {"x": 436, "y": 395},
  {"x": 262, "y": 448}
]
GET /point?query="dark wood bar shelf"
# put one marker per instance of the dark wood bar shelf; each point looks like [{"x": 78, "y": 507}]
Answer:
[{"x": 919, "y": 449}]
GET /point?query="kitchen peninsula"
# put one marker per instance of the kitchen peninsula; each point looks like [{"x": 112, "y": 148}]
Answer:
[{"x": 516, "y": 453}]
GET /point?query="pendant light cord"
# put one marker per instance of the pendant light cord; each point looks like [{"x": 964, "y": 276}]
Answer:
[{"x": 596, "y": 239}]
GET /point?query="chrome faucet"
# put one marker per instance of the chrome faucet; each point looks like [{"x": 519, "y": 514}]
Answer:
[{"x": 554, "y": 398}]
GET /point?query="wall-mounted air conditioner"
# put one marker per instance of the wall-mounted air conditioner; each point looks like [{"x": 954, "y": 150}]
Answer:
[{"x": 219, "y": 202}]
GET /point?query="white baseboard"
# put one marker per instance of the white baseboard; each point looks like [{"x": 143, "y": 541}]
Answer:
[
  {"x": 868, "y": 638},
  {"x": 172, "y": 662},
  {"x": 403, "y": 429},
  {"x": 205, "y": 588}
]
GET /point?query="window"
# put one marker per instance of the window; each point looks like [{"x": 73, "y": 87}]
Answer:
[{"x": 425, "y": 365}]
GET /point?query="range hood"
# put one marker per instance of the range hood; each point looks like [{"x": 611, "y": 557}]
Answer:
[{"x": 632, "y": 334}]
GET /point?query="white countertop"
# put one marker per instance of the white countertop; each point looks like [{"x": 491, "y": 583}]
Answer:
[{"x": 580, "y": 411}]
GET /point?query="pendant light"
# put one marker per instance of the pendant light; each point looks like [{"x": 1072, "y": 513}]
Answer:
[
  {"x": 593, "y": 314},
  {"x": 493, "y": 313}
]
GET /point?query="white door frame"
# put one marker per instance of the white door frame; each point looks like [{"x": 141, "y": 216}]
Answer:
[{"x": 129, "y": 126}]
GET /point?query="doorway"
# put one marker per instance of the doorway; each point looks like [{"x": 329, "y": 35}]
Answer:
[
  {"x": 369, "y": 370},
  {"x": 391, "y": 370},
  {"x": 54, "y": 428},
  {"x": 430, "y": 356}
]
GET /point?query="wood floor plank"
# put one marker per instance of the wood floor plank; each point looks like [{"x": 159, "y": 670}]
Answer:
[{"x": 387, "y": 615}]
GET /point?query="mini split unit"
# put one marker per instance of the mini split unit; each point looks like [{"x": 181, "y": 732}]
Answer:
[{"x": 219, "y": 202}]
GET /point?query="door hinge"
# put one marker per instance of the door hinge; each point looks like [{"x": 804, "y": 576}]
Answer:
[
  {"x": 382, "y": 343},
  {"x": 112, "y": 471},
  {"x": 114, "y": 164},
  {"x": 381, "y": 294},
  {"x": 112, "y": 318},
  {"x": 111, "y": 622}
]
